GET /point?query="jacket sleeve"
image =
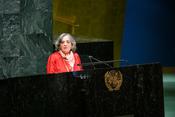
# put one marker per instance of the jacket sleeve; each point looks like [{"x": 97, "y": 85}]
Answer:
[
  {"x": 78, "y": 61},
  {"x": 50, "y": 68}
]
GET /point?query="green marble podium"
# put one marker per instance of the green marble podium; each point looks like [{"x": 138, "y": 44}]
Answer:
[{"x": 130, "y": 91}]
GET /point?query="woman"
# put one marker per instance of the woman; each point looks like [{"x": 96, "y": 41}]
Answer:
[{"x": 64, "y": 59}]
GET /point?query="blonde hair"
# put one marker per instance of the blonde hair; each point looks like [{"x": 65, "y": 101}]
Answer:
[{"x": 59, "y": 39}]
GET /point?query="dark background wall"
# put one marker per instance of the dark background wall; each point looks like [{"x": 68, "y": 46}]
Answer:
[
  {"x": 25, "y": 37},
  {"x": 149, "y": 32},
  {"x": 26, "y": 30},
  {"x": 97, "y": 19}
]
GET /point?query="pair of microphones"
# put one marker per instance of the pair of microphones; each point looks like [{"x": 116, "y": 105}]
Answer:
[{"x": 98, "y": 62}]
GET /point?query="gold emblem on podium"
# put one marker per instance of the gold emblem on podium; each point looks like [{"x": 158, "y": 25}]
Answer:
[{"x": 113, "y": 80}]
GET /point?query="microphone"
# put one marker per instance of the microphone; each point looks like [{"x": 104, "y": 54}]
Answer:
[
  {"x": 90, "y": 58},
  {"x": 102, "y": 62}
]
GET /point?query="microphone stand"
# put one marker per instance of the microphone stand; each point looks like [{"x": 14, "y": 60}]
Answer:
[
  {"x": 100, "y": 62},
  {"x": 92, "y": 63}
]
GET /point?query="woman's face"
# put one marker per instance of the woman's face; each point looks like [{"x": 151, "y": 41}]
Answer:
[{"x": 65, "y": 45}]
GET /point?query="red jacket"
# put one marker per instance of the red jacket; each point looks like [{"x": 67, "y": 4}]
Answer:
[{"x": 57, "y": 64}]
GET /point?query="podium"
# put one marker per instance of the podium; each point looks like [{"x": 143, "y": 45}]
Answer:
[{"x": 130, "y": 91}]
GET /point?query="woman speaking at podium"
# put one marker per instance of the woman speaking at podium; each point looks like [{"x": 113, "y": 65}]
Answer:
[{"x": 64, "y": 59}]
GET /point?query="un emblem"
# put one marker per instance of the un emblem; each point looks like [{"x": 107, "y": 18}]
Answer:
[{"x": 113, "y": 80}]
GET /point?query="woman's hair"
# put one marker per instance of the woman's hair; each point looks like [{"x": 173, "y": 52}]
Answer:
[{"x": 59, "y": 39}]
